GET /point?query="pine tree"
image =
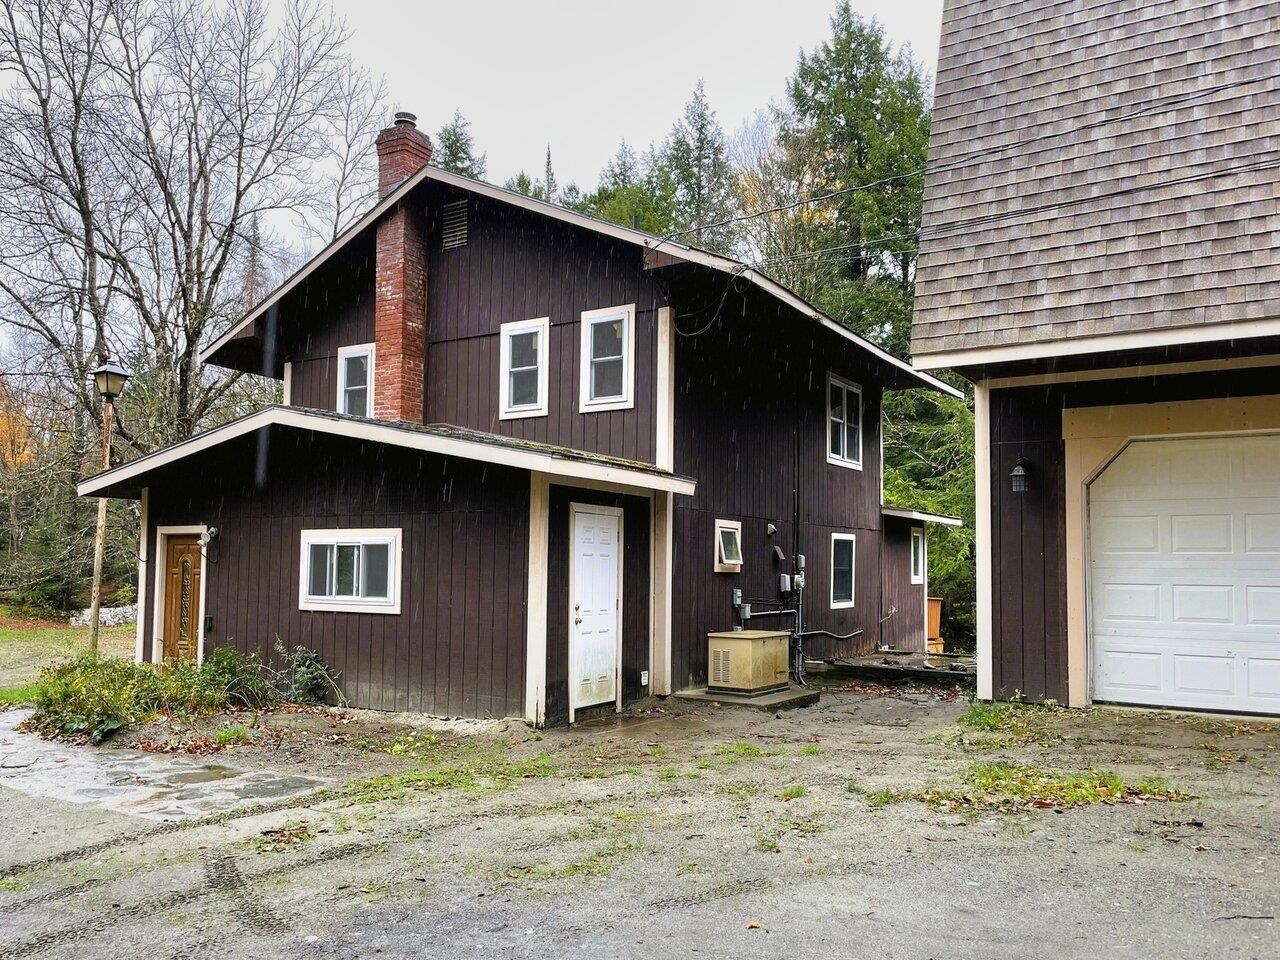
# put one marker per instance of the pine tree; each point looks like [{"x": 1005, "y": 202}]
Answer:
[
  {"x": 455, "y": 149},
  {"x": 701, "y": 178},
  {"x": 549, "y": 187},
  {"x": 633, "y": 191}
]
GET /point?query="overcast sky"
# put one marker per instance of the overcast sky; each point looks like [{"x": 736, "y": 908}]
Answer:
[{"x": 583, "y": 74}]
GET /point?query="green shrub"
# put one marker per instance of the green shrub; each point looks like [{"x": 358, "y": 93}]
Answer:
[
  {"x": 96, "y": 696},
  {"x": 305, "y": 678}
]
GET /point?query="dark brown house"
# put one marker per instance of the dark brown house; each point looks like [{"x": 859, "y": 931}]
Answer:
[
  {"x": 524, "y": 459},
  {"x": 1100, "y": 258}
]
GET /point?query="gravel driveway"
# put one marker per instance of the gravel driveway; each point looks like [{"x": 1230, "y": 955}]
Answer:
[{"x": 861, "y": 827}]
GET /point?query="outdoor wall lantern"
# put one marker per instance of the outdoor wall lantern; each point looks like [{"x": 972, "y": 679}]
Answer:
[{"x": 1018, "y": 477}]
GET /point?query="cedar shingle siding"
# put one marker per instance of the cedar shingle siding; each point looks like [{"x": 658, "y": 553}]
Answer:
[{"x": 1079, "y": 113}]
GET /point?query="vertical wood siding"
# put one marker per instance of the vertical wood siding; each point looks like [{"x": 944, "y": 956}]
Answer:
[
  {"x": 636, "y": 567},
  {"x": 456, "y": 648},
  {"x": 905, "y": 628},
  {"x": 751, "y": 427},
  {"x": 517, "y": 265},
  {"x": 333, "y": 309},
  {"x": 1028, "y": 535}
]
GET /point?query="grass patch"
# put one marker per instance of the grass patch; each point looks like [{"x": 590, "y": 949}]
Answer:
[
  {"x": 733, "y": 752},
  {"x": 1009, "y": 787},
  {"x": 236, "y": 733},
  {"x": 600, "y": 862},
  {"x": 997, "y": 726},
  {"x": 793, "y": 792},
  {"x": 18, "y": 695},
  {"x": 811, "y": 750},
  {"x": 876, "y": 798}
]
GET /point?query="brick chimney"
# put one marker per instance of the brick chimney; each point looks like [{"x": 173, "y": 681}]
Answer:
[{"x": 400, "y": 286}]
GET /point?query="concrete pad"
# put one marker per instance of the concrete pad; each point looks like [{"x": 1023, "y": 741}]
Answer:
[{"x": 789, "y": 699}]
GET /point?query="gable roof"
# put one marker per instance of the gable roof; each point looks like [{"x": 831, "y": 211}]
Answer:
[
  {"x": 667, "y": 251},
  {"x": 446, "y": 440},
  {"x": 1102, "y": 175}
]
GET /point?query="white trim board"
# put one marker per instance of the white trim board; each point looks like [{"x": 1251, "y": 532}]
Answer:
[
  {"x": 922, "y": 516},
  {"x": 665, "y": 399},
  {"x": 520, "y": 457},
  {"x": 647, "y": 241},
  {"x": 982, "y": 535},
  {"x": 157, "y": 615},
  {"x": 144, "y": 535},
  {"x": 1074, "y": 346},
  {"x": 535, "y": 646}
]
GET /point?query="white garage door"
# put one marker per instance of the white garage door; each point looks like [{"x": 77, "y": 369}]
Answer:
[{"x": 1184, "y": 541}]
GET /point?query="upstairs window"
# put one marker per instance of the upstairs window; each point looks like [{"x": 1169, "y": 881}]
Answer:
[
  {"x": 842, "y": 552},
  {"x": 608, "y": 365},
  {"x": 350, "y": 570},
  {"x": 844, "y": 423},
  {"x": 355, "y": 380},
  {"x": 522, "y": 387},
  {"x": 917, "y": 556},
  {"x": 728, "y": 546}
]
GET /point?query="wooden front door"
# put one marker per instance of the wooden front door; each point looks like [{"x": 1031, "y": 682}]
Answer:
[{"x": 182, "y": 588}]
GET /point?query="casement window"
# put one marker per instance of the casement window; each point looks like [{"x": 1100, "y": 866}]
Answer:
[
  {"x": 522, "y": 387},
  {"x": 608, "y": 359},
  {"x": 354, "y": 571},
  {"x": 844, "y": 422},
  {"x": 842, "y": 551},
  {"x": 728, "y": 546},
  {"x": 355, "y": 380},
  {"x": 917, "y": 556}
]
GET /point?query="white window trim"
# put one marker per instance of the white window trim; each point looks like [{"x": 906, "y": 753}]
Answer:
[
  {"x": 845, "y": 461},
  {"x": 356, "y": 349},
  {"x": 388, "y": 535},
  {"x": 627, "y": 400},
  {"x": 542, "y": 326},
  {"x": 736, "y": 526},
  {"x": 853, "y": 572},
  {"x": 917, "y": 533}
]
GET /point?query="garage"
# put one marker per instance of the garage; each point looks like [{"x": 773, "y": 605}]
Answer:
[{"x": 1184, "y": 574}]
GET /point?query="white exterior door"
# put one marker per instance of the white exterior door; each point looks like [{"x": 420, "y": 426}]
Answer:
[
  {"x": 1184, "y": 543},
  {"x": 595, "y": 605}
]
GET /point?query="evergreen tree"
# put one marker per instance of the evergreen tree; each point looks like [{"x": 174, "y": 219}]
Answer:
[
  {"x": 548, "y": 188},
  {"x": 695, "y": 160},
  {"x": 633, "y": 191},
  {"x": 455, "y": 149}
]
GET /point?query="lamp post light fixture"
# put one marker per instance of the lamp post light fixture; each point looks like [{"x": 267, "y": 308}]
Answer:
[
  {"x": 1018, "y": 477},
  {"x": 109, "y": 378}
]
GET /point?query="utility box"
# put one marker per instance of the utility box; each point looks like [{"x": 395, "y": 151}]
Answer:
[{"x": 747, "y": 662}]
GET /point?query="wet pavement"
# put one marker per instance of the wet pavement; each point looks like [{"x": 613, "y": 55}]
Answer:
[{"x": 156, "y": 786}]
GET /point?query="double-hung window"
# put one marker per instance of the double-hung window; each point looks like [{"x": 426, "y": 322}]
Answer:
[
  {"x": 844, "y": 422},
  {"x": 355, "y": 380},
  {"x": 350, "y": 570},
  {"x": 523, "y": 385},
  {"x": 608, "y": 359},
  {"x": 917, "y": 555},
  {"x": 842, "y": 553}
]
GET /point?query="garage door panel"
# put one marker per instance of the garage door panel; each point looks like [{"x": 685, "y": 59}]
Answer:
[{"x": 1184, "y": 545}]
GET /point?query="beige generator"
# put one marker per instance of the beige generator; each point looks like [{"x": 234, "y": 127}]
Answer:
[{"x": 747, "y": 662}]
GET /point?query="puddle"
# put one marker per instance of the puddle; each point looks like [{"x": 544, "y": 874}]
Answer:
[{"x": 156, "y": 786}]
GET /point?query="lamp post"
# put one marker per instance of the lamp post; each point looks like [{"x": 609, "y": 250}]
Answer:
[{"x": 109, "y": 378}]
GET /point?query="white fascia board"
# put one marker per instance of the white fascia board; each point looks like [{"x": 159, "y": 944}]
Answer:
[
  {"x": 536, "y": 460},
  {"x": 649, "y": 242},
  {"x": 922, "y": 516},
  {"x": 1100, "y": 343}
]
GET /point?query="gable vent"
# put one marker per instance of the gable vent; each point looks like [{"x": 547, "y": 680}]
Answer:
[{"x": 454, "y": 233}]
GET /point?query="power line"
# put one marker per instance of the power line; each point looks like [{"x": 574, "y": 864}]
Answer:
[{"x": 1154, "y": 106}]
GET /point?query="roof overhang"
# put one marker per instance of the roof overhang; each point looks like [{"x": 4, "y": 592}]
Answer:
[
  {"x": 921, "y": 516},
  {"x": 660, "y": 252},
  {"x": 446, "y": 441}
]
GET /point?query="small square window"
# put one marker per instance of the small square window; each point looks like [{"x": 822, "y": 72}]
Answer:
[
  {"x": 608, "y": 346},
  {"x": 843, "y": 548},
  {"x": 523, "y": 383},
  {"x": 917, "y": 555},
  {"x": 355, "y": 380},
  {"x": 728, "y": 552}
]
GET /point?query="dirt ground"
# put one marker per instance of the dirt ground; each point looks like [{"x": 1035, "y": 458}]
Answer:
[{"x": 866, "y": 826}]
